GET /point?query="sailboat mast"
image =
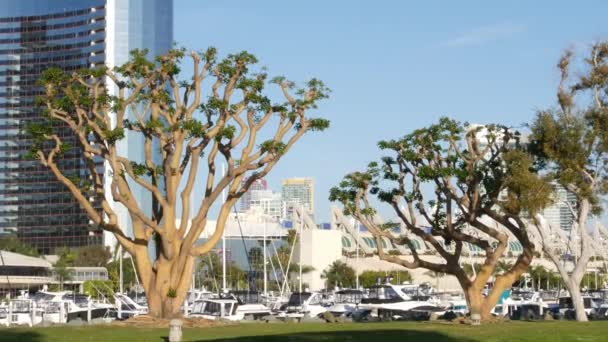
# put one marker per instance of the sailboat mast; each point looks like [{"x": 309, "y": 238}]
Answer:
[
  {"x": 300, "y": 251},
  {"x": 223, "y": 238},
  {"x": 265, "y": 271},
  {"x": 120, "y": 280},
  {"x": 356, "y": 226}
]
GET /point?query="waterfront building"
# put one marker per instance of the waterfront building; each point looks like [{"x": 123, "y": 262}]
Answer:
[
  {"x": 267, "y": 202},
  {"x": 71, "y": 35},
  {"x": 298, "y": 192}
]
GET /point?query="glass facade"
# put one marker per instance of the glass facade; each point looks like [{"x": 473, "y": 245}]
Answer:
[
  {"x": 70, "y": 34},
  {"x": 35, "y": 35},
  {"x": 135, "y": 24}
]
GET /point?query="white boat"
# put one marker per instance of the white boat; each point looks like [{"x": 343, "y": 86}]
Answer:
[
  {"x": 456, "y": 308},
  {"x": 303, "y": 305},
  {"x": 232, "y": 307},
  {"x": 64, "y": 306},
  {"x": 23, "y": 312},
  {"x": 217, "y": 309},
  {"x": 397, "y": 302},
  {"x": 601, "y": 297},
  {"x": 592, "y": 306},
  {"x": 4, "y": 315},
  {"x": 250, "y": 304},
  {"x": 199, "y": 295},
  {"x": 126, "y": 307},
  {"x": 532, "y": 305},
  {"x": 346, "y": 302},
  {"x": 275, "y": 303}
]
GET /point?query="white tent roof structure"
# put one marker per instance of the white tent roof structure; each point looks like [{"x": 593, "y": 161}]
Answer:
[
  {"x": 251, "y": 226},
  {"x": 15, "y": 259}
]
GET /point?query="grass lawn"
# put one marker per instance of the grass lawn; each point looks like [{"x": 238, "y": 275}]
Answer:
[{"x": 367, "y": 332}]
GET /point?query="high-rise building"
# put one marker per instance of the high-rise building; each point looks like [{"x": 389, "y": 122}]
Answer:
[
  {"x": 70, "y": 34},
  {"x": 559, "y": 214},
  {"x": 258, "y": 184},
  {"x": 298, "y": 192},
  {"x": 267, "y": 202}
]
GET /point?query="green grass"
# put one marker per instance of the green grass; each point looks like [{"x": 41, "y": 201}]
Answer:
[{"x": 367, "y": 332}]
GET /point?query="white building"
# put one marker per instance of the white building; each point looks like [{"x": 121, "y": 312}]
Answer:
[
  {"x": 267, "y": 202},
  {"x": 258, "y": 185},
  {"x": 298, "y": 192}
]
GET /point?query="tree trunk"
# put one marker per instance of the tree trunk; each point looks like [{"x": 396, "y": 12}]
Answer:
[
  {"x": 483, "y": 305},
  {"x": 577, "y": 299},
  {"x": 168, "y": 288},
  {"x": 162, "y": 306},
  {"x": 475, "y": 301}
]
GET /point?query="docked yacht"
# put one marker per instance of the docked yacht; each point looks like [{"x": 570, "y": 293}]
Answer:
[
  {"x": 345, "y": 302},
  {"x": 63, "y": 306},
  {"x": 250, "y": 304},
  {"x": 593, "y": 305},
  {"x": 232, "y": 307},
  {"x": 532, "y": 305},
  {"x": 455, "y": 308},
  {"x": 397, "y": 302},
  {"x": 4, "y": 315},
  {"x": 601, "y": 298},
  {"x": 303, "y": 304},
  {"x": 126, "y": 307},
  {"x": 23, "y": 312}
]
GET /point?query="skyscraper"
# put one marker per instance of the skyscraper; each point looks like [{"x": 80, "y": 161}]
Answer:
[
  {"x": 559, "y": 214},
  {"x": 298, "y": 192},
  {"x": 70, "y": 34},
  {"x": 267, "y": 202},
  {"x": 259, "y": 184}
]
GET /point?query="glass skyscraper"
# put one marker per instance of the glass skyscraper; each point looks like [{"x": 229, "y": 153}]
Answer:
[{"x": 70, "y": 34}]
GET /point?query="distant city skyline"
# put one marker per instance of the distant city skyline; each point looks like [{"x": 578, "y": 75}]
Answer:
[
  {"x": 294, "y": 192},
  {"x": 394, "y": 66}
]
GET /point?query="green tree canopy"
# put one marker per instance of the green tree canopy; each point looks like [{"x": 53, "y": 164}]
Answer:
[
  {"x": 339, "y": 274},
  {"x": 570, "y": 145},
  {"x": 11, "y": 243},
  {"x": 370, "y": 278},
  {"x": 92, "y": 255},
  {"x": 128, "y": 273}
]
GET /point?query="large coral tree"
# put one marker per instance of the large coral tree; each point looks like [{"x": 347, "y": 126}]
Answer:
[
  {"x": 571, "y": 145},
  {"x": 451, "y": 185},
  {"x": 219, "y": 114}
]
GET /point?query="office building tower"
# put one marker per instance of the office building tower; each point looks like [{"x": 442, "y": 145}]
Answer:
[
  {"x": 267, "y": 202},
  {"x": 298, "y": 192},
  {"x": 71, "y": 35},
  {"x": 258, "y": 184},
  {"x": 559, "y": 213}
]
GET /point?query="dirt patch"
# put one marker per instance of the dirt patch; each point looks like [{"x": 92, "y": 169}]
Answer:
[
  {"x": 145, "y": 321},
  {"x": 491, "y": 320}
]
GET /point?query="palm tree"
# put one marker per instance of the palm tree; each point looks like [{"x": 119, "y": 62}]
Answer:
[
  {"x": 63, "y": 273},
  {"x": 339, "y": 274}
]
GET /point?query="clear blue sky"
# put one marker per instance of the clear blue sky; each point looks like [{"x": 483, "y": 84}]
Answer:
[{"x": 397, "y": 65}]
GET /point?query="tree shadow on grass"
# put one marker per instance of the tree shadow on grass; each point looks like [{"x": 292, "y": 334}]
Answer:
[
  {"x": 15, "y": 335},
  {"x": 353, "y": 336}
]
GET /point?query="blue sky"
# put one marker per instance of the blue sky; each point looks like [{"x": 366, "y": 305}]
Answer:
[{"x": 397, "y": 65}]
